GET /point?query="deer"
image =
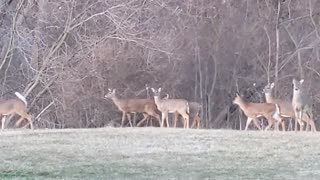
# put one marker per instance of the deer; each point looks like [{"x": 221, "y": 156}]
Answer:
[
  {"x": 15, "y": 106},
  {"x": 179, "y": 106},
  {"x": 126, "y": 106},
  {"x": 285, "y": 106},
  {"x": 255, "y": 110},
  {"x": 149, "y": 117},
  {"x": 302, "y": 106},
  {"x": 194, "y": 108}
]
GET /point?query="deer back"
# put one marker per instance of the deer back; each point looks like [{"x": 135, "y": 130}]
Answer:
[
  {"x": 12, "y": 105},
  {"x": 172, "y": 105},
  {"x": 135, "y": 105},
  {"x": 256, "y": 109},
  {"x": 285, "y": 107}
]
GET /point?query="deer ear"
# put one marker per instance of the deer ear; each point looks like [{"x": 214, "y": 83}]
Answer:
[
  {"x": 114, "y": 91},
  {"x": 109, "y": 89},
  {"x": 159, "y": 89},
  {"x": 272, "y": 85},
  {"x": 237, "y": 94},
  {"x": 301, "y": 81},
  {"x": 153, "y": 90},
  {"x": 293, "y": 80}
]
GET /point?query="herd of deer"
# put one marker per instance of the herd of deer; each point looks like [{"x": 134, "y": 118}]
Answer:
[
  {"x": 277, "y": 110},
  {"x": 274, "y": 110},
  {"x": 150, "y": 108}
]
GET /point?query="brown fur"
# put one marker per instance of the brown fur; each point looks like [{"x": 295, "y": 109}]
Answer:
[
  {"x": 145, "y": 106},
  {"x": 15, "y": 106},
  {"x": 254, "y": 110}
]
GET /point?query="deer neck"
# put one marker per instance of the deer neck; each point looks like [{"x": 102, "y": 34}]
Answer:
[
  {"x": 296, "y": 96},
  {"x": 297, "y": 99},
  {"x": 242, "y": 104},
  {"x": 157, "y": 100},
  {"x": 269, "y": 97},
  {"x": 117, "y": 101}
]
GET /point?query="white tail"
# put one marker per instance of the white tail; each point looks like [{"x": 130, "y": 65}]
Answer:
[
  {"x": 255, "y": 110},
  {"x": 166, "y": 106},
  {"x": 127, "y": 106},
  {"x": 21, "y": 97},
  {"x": 15, "y": 106}
]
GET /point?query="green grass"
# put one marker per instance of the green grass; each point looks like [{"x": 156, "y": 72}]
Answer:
[{"x": 153, "y": 153}]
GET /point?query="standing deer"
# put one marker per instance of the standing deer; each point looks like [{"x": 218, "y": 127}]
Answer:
[
  {"x": 149, "y": 117},
  {"x": 255, "y": 110},
  {"x": 302, "y": 106},
  {"x": 194, "y": 117},
  {"x": 15, "y": 106},
  {"x": 285, "y": 106},
  {"x": 180, "y": 106},
  {"x": 126, "y": 106}
]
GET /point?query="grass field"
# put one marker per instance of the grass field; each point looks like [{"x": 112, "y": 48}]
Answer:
[{"x": 153, "y": 153}]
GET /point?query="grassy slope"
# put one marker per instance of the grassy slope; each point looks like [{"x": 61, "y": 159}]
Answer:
[{"x": 151, "y": 153}]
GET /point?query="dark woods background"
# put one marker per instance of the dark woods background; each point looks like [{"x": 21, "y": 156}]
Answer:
[{"x": 65, "y": 54}]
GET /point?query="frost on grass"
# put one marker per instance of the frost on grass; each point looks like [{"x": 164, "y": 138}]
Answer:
[{"x": 153, "y": 153}]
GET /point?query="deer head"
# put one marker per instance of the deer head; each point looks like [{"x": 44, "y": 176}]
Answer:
[{"x": 111, "y": 93}]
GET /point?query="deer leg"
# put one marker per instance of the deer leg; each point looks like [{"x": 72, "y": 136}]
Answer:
[
  {"x": 175, "y": 119},
  {"x": 25, "y": 115},
  {"x": 283, "y": 126},
  {"x": 300, "y": 119},
  {"x": 151, "y": 121},
  {"x": 183, "y": 120},
  {"x": 308, "y": 123},
  {"x": 308, "y": 126},
  {"x": 134, "y": 119},
  {"x": 129, "y": 119},
  {"x": 255, "y": 122},
  {"x": 276, "y": 125},
  {"x": 167, "y": 120},
  {"x": 163, "y": 116},
  {"x": 31, "y": 123},
  {"x": 296, "y": 121},
  {"x": 194, "y": 121},
  {"x": 248, "y": 123},
  {"x": 17, "y": 124},
  {"x": 3, "y": 122},
  {"x": 290, "y": 124},
  {"x": 154, "y": 114},
  {"x": 123, "y": 118},
  {"x": 270, "y": 123},
  {"x": 186, "y": 119},
  {"x": 198, "y": 121},
  {"x": 313, "y": 126},
  {"x": 145, "y": 116}
]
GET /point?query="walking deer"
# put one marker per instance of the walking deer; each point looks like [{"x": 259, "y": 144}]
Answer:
[
  {"x": 126, "y": 106},
  {"x": 180, "y": 106},
  {"x": 255, "y": 110},
  {"x": 302, "y": 106},
  {"x": 194, "y": 108},
  {"x": 15, "y": 106}
]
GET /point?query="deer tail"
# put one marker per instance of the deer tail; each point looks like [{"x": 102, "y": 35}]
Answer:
[{"x": 21, "y": 97}]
